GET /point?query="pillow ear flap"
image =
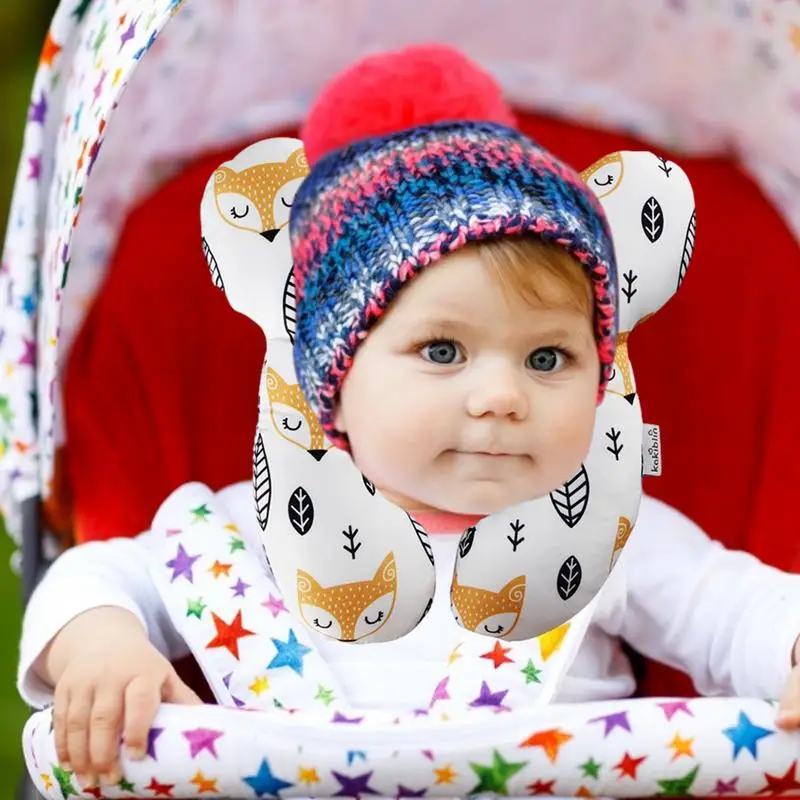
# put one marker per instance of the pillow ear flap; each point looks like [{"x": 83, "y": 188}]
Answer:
[
  {"x": 649, "y": 203},
  {"x": 245, "y": 232}
]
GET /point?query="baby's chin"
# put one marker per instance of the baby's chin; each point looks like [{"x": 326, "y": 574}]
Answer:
[{"x": 481, "y": 500}]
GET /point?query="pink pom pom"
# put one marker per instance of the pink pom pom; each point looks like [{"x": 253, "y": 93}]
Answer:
[{"x": 390, "y": 92}]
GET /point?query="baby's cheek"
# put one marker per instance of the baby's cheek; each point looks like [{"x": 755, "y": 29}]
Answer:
[{"x": 570, "y": 435}]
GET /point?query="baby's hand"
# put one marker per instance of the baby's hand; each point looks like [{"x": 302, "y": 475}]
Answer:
[
  {"x": 789, "y": 709},
  {"x": 110, "y": 682}
]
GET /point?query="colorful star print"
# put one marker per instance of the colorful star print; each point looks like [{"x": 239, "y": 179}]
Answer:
[
  {"x": 38, "y": 110},
  {"x": 726, "y": 787},
  {"x": 265, "y": 783},
  {"x": 80, "y": 10},
  {"x": 290, "y": 654},
  {"x": 152, "y": 736},
  {"x": 682, "y": 747},
  {"x": 628, "y": 765},
  {"x": 440, "y": 692},
  {"x": 678, "y": 787},
  {"x": 488, "y": 698},
  {"x": 746, "y": 736},
  {"x": 550, "y": 642},
  {"x": 355, "y": 755},
  {"x": 591, "y": 769},
  {"x": 218, "y": 570},
  {"x": 673, "y": 707},
  {"x": 340, "y": 718},
  {"x": 324, "y": 695},
  {"x": 781, "y": 784},
  {"x": 353, "y": 787},
  {"x": 612, "y": 721},
  {"x": 531, "y": 673},
  {"x": 495, "y": 778},
  {"x": 275, "y": 605},
  {"x": 228, "y": 635},
  {"x": 307, "y": 775},
  {"x": 64, "y": 779},
  {"x": 445, "y": 775},
  {"x": 195, "y": 608},
  {"x": 540, "y": 787},
  {"x": 160, "y": 789},
  {"x": 201, "y": 739},
  {"x": 181, "y": 565},
  {"x": 50, "y": 51},
  {"x": 201, "y": 513},
  {"x": 128, "y": 34},
  {"x": 404, "y": 791},
  {"x": 550, "y": 741},
  {"x": 498, "y": 655},
  {"x": 204, "y": 784}
]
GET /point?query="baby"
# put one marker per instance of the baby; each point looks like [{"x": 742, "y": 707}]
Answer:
[
  {"x": 458, "y": 352},
  {"x": 478, "y": 390}
]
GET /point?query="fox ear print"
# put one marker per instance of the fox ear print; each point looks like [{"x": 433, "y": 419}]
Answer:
[{"x": 244, "y": 222}]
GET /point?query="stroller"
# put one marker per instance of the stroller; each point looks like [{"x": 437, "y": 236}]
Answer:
[{"x": 107, "y": 197}]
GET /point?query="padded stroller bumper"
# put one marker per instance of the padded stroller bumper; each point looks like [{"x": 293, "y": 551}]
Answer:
[{"x": 633, "y": 748}]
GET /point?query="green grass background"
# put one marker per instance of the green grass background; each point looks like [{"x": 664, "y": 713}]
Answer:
[{"x": 23, "y": 24}]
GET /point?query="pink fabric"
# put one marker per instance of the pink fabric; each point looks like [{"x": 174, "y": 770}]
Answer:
[{"x": 444, "y": 522}]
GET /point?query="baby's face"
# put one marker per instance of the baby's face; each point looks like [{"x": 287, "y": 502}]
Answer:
[{"x": 465, "y": 400}]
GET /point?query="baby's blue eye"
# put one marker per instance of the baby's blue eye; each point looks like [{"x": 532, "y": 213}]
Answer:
[
  {"x": 442, "y": 352},
  {"x": 545, "y": 359}
]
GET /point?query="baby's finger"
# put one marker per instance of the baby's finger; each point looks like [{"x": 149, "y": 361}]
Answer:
[
  {"x": 60, "y": 705},
  {"x": 789, "y": 707},
  {"x": 104, "y": 735},
  {"x": 142, "y": 699},
  {"x": 79, "y": 713}
]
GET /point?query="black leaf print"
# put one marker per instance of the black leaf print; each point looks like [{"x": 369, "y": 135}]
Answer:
[
  {"x": 216, "y": 275},
  {"x": 465, "y": 544},
  {"x": 301, "y": 511},
  {"x": 571, "y": 500},
  {"x": 516, "y": 540},
  {"x": 352, "y": 546},
  {"x": 569, "y": 578},
  {"x": 663, "y": 166},
  {"x": 422, "y": 535},
  {"x": 262, "y": 482},
  {"x": 369, "y": 484},
  {"x": 652, "y": 220},
  {"x": 615, "y": 447},
  {"x": 290, "y": 306},
  {"x": 627, "y": 288},
  {"x": 688, "y": 248}
]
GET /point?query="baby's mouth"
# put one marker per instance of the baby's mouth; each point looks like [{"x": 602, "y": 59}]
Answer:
[{"x": 488, "y": 453}]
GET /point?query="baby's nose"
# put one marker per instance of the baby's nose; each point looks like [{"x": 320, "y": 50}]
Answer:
[{"x": 501, "y": 393}]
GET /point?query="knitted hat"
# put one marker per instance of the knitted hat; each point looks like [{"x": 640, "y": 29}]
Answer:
[{"x": 392, "y": 192}]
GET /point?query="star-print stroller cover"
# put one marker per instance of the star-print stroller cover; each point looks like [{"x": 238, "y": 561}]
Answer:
[{"x": 490, "y": 726}]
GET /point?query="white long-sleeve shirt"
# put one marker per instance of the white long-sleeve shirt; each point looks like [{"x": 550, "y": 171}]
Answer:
[{"x": 675, "y": 595}]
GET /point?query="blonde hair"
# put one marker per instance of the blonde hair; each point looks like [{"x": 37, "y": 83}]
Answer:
[{"x": 542, "y": 274}]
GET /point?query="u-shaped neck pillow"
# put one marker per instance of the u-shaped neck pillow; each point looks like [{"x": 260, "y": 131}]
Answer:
[{"x": 351, "y": 564}]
